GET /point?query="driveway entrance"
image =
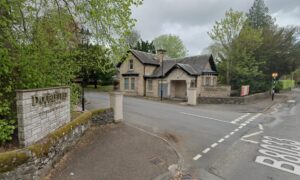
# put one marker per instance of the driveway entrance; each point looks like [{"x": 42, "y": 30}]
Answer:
[{"x": 178, "y": 88}]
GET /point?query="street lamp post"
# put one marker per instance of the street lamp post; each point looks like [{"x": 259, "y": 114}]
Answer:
[
  {"x": 161, "y": 53},
  {"x": 274, "y": 75},
  {"x": 84, "y": 40}
]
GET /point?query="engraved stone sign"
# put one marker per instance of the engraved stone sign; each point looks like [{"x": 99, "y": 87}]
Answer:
[{"x": 41, "y": 111}]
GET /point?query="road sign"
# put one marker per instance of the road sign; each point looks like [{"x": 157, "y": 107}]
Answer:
[{"x": 245, "y": 90}]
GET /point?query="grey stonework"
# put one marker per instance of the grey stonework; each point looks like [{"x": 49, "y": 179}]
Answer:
[
  {"x": 232, "y": 100},
  {"x": 37, "y": 167},
  {"x": 36, "y": 120},
  {"x": 103, "y": 118}
]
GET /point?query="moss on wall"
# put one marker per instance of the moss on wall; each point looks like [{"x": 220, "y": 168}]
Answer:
[{"x": 12, "y": 159}]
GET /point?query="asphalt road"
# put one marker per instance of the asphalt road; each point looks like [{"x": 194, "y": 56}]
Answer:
[{"x": 221, "y": 142}]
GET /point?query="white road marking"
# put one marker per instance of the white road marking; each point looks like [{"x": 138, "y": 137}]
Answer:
[
  {"x": 195, "y": 115},
  {"x": 214, "y": 145},
  {"x": 231, "y": 133},
  {"x": 279, "y": 157},
  {"x": 261, "y": 127},
  {"x": 240, "y": 118},
  {"x": 291, "y": 101},
  {"x": 206, "y": 150},
  {"x": 221, "y": 140},
  {"x": 250, "y": 141},
  {"x": 197, "y": 157},
  {"x": 253, "y": 134}
]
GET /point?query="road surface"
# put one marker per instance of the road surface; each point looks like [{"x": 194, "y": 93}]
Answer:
[{"x": 222, "y": 143}]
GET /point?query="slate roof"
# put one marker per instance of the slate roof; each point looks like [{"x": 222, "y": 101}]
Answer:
[
  {"x": 194, "y": 65},
  {"x": 145, "y": 58}
]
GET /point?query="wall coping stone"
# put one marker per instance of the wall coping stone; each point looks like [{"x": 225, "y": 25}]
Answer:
[{"x": 15, "y": 163}]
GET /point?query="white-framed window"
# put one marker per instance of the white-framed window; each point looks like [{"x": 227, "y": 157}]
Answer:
[
  {"x": 132, "y": 84},
  {"x": 131, "y": 64},
  {"x": 150, "y": 84},
  {"x": 126, "y": 83}
]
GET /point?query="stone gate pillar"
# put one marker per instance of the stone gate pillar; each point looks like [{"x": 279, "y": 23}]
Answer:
[
  {"x": 192, "y": 96},
  {"x": 116, "y": 103}
]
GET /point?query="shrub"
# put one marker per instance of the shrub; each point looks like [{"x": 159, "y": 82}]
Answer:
[{"x": 6, "y": 130}]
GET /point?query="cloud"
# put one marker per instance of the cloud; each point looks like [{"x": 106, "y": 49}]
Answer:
[{"x": 192, "y": 19}]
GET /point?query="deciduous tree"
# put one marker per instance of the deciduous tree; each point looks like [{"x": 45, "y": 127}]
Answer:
[{"x": 172, "y": 44}]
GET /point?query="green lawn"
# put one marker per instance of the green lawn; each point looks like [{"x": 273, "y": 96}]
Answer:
[{"x": 107, "y": 88}]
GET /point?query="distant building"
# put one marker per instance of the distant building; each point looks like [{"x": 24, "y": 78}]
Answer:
[{"x": 144, "y": 74}]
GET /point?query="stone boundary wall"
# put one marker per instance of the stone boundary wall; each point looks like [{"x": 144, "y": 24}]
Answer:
[
  {"x": 35, "y": 161},
  {"x": 215, "y": 91},
  {"x": 233, "y": 100},
  {"x": 41, "y": 111}
]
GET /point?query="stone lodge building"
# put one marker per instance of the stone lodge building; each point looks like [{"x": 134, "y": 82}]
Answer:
[{"x": 144, "y": 74}]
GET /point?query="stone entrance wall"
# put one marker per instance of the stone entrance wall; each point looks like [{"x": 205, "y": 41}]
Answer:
[{"x": 41, "y": 111}]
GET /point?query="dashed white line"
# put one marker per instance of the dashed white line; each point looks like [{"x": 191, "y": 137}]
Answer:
[
  {"x": 231, "y": 133},
  {"x": 260, "y": 127},
  {"x": 214, "y": 145},
  {"x": 206, "y": 150},
  {"x": 197, "y": 157},
  {"x": 220, "y": 140},
  {"x": 240, "y": 118}
]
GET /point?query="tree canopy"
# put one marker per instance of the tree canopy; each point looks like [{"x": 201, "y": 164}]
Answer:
[
  {"x": 250, "y": 47},
  {"x": 172, "y": 44},
  {"x": 40, "y": 41}
]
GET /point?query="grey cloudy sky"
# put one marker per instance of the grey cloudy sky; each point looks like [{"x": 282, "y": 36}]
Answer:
[{"x": 192, "y": 19}]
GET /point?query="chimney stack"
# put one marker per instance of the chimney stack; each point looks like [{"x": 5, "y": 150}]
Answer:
[{"x": 161, "y": 53}]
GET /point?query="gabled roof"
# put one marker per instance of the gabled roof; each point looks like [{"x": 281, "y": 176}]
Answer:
[
  {"x": 145, "y": 58},
  {"x": 194, "y": 65}
]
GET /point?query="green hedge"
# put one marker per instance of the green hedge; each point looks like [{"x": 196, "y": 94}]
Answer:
[{"x": 286, "y": 84}]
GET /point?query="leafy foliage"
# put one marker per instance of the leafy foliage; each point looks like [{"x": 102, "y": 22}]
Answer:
[
  {"x": 6, "y": 129},
  {"x": 145, "y": 46},
  {"x": 172, "y": 44},
  {"x": 250, "y": 47},
  {"x": 40, "y": 44}
]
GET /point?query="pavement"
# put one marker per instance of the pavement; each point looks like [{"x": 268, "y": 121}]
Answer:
[{"x": 118, "y": 152}]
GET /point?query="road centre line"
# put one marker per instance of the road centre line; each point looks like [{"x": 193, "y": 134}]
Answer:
[
  {"x": 231, "y": 133},
  {"x": 206, "y": 150},
  {"x": 197, "y": 157},
  {"x": 221, "y": 140},
  {"x": 240, "y": 118},
  {"x": 214, "y": 145},
  {"x": 195, "y": 115}
]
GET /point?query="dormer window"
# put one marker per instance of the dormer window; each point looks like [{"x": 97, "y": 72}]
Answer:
[{"x": 130, "y": 64}]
